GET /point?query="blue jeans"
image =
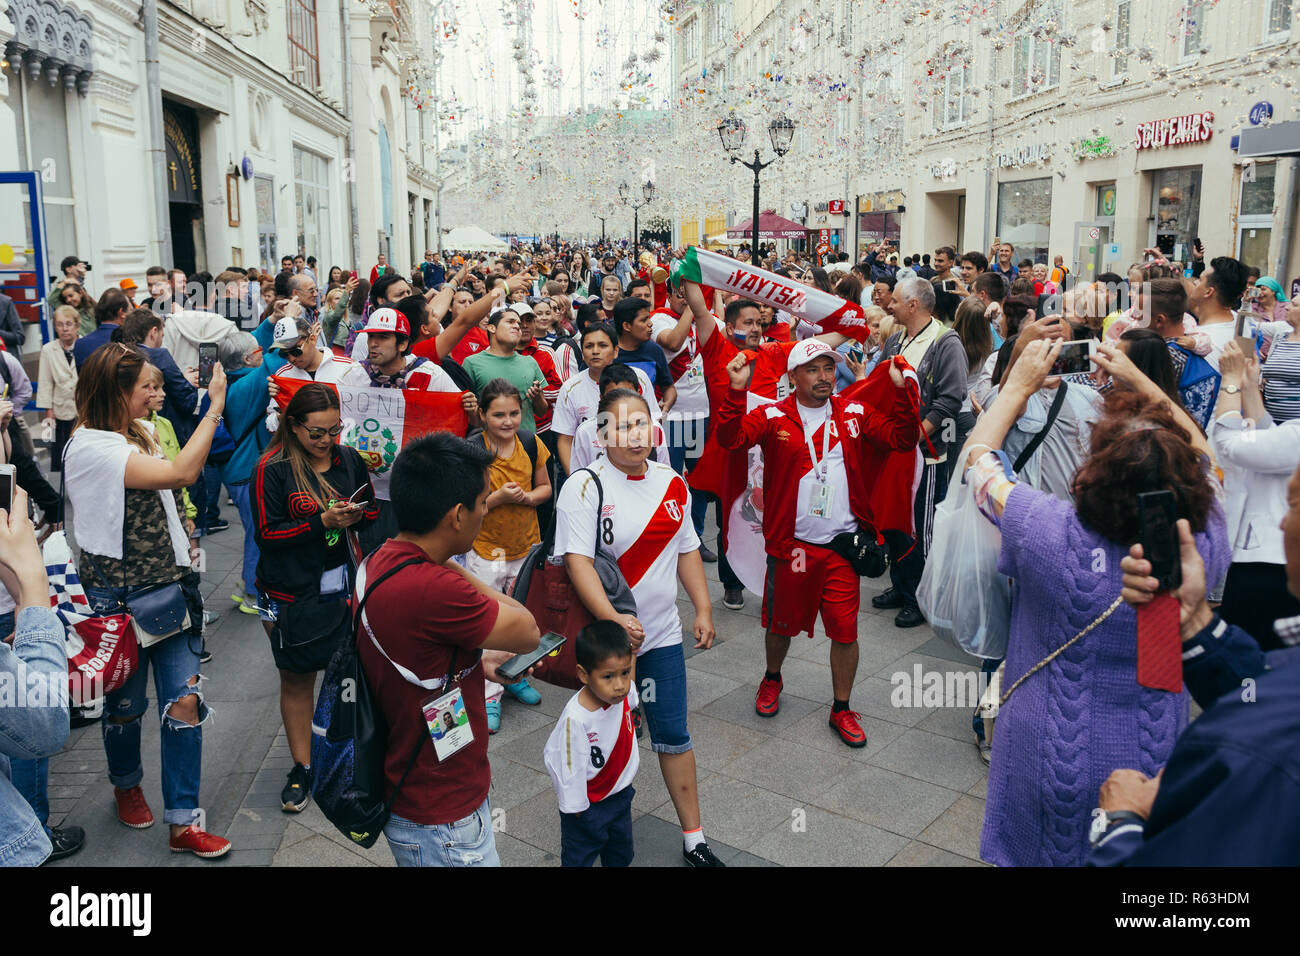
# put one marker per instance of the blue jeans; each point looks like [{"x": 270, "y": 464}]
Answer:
[
  {"x": 31, "y": 778},
  {"x": 243, "y": 501},
  {"x": 661, "y": 685},
  {"x": 175, "y": 661},
  {"x": 210, "y": 484},
  {"x": 467, "y": 842}
]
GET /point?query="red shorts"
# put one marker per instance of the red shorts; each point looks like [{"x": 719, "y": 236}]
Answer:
[{"x": 816, "y": 579}]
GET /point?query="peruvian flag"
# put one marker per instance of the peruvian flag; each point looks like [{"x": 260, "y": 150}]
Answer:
[
  {"x": 380, "y": 422},
  {"x": 829, "y": 312}
]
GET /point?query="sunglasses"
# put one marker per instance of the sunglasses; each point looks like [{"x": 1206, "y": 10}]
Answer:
[
  {"x": 316, "y": 434},
  {"x": 293, "y": 352}
]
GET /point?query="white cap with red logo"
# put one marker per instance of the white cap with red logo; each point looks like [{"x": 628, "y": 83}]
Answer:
[
  {"x": 810, "y": 349},
  {"x": 388, "y": 320}
]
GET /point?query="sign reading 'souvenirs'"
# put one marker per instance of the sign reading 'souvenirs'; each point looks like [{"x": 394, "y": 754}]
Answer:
[{"x": 1175, "y": 131}]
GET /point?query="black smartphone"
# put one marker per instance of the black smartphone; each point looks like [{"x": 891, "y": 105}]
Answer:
[
  {"x": 518, "y": 665},
  {"x": 7, "y": 473},
  {"x": 207, "y": 361},
  {"x": 1158, "y": 535}
]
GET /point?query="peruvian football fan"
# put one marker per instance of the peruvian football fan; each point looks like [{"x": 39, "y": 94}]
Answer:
[
  {"x": 296, "y": 340},
  {"x": 815, "y": 490}
]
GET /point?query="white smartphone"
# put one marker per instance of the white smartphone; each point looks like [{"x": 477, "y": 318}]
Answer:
[
  {"x": 1076, "y": 356},
  {"x": 7, "y": 487}
]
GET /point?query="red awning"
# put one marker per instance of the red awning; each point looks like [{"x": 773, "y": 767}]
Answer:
[{"x": 770, "y": 226}]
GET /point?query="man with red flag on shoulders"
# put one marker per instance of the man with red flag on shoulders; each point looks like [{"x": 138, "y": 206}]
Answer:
[{"x": 818, "y": 455}]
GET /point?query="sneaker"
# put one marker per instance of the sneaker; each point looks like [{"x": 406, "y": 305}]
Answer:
[
  {"x": 199, "y": 842},
  {"x": 205, "y": 655},
  {"x": 297, "y": 792},
  {"x": 524, "y": 692},
  {"x": 707, "y": 556},
  {"x": 132, "y": 808},
  {"x": 86, "y": 716},
  {"x": 733, "y": 598},
  {"x": 768, "y": 701},
  {"x": 701, "y": 856},
  {"x": 985, "y": 748},
  {"x": 244, "y": 604},
  {"x": 909, "y": 616},
  {"x": 220, "y": 524},
  {"x": 887, "y": 599},
  {"x": 210, "y": 618},
  {"x": 66, "y": 841},
  {"x": 494, "y": 716},
  {"x": 845, "y": 723}
]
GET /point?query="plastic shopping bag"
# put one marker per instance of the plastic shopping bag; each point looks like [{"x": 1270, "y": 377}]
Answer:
[{"x": 961, "y": 593}]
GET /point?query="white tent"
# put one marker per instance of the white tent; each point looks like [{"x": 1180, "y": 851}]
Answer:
[
  {"x": 722, "y": 240},
  {"x": 473, "y": 239}
]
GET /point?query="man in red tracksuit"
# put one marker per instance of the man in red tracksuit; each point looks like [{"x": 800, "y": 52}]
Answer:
[{"x": 815, "y": 487}]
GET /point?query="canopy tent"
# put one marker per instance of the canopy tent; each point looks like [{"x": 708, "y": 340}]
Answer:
[
  {"x": 473, "y": 239},
  {"x": 722, "y": 239},
  {"x": 770, "y": 226}
]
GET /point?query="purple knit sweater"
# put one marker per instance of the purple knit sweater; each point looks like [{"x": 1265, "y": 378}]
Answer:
[{"x": 1068, "y": 726}]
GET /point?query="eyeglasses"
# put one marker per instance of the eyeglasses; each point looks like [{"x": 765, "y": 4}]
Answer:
[{"x": 316, "y": 434}]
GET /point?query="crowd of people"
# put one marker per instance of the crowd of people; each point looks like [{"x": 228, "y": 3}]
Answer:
[{"x": 609, "y": 398}]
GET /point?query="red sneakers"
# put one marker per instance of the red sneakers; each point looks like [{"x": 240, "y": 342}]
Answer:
[
  {"x": 768, "y": 701},
  {"x": 200, "y": 843},
  {"x": 845, "y": 723},
  {"x": 132, "y": 808}
]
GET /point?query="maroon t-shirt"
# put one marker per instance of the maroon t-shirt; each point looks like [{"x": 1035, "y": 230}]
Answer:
[{"x": 419, "y": 616}]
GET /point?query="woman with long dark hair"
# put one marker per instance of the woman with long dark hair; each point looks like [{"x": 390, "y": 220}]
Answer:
[
  {"x": 308, "y": 490},
  {"x": 126, "y": 518}
]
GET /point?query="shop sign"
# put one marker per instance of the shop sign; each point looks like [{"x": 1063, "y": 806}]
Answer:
[
  {"x": 836, "y": 207},
  {"x": 880, "y": 201},
  {"x": 1175, "y": 131},
  {"x": 1025, "y": 155},
  {"x": 1098, "y": 147},
  {"x": 944, "y": 169}
]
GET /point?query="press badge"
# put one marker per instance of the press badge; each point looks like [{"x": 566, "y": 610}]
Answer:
[
  {"x": 448, "y": 723},
  {"x": 820, "y": 499}
]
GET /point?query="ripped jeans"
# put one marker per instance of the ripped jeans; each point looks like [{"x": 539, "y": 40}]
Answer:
[
  {"x": 175, "y": 662},
  {"x": 467, "y": 842}
]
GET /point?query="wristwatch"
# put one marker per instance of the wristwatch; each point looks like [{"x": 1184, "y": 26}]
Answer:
[
  {"x": 1102, "y": 821},
  {"x": 1231, "y": 389}
]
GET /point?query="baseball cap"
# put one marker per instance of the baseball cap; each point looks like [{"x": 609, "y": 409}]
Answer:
[
  {"x": 128, "y": 285},
  {"x": 810, "y": 349},
  {"x": 388, "y": 320},
  {"x": 287, "y": 333}
]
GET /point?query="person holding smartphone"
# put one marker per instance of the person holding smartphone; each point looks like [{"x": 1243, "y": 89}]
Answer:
[{"x": 308, "y": 491}]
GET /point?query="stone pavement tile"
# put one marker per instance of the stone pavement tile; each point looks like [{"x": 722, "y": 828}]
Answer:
[
  {"x": 744, "y": 859},
  {"x": 738, "y": 708},
  {"x": 527, "y": 749},
  {"x": 248, "y": 820},
  {"x": 814, "y": 731},
  {"x": 702, "y": 688},
  {"x": 736, "y": 812},
  {"x": 256, "y": 841},
  {"x": 931, "y": 757},
  {"x": 553, "y": 699},
  {"x": 657, "y": 842},
  {"x": 880, "y": 631},
  {"x": 516, "y": 853},
  {"x": 943, "y": 648},
  {"x": 312, "y": 820},
  {"x": 536, "y": 822},
  {"x": 788, "y": 768},
  {"x": 517, "y": 720},
  {"x": 873, "y": 696},
  {"x": 807, "y": 679},
  {"x": 917, "y": 853},
  {"x": 317, "y": 850},
  {"x": 888, "y": 800},
  {"x": 906, "y": 664},
  {"x": 735, "y": 659},
  {"x": 815, "y": 649},
  {"x": 958, "y": 829},
  {"x": 981, "y": 787},
  {"x": 952, "y": 722},
  {"x": 825, "y": 839},
  {"x": 513, "y": 783},
  {"x": 717, "y": 742},
  {"x": 238, "y": 857}
]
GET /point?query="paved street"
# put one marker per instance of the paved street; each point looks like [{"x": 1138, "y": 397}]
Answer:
[{"x": 780, "y": 791}]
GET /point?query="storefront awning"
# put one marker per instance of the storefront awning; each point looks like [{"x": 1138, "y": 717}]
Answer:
[
  {"x": 1277, "y": 139},
  {"x": 770, "y": 226}
]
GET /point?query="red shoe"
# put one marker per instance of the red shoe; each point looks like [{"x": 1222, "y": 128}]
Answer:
[
  {"x": 768, "y": 701},
  {"x": 200, "y": 843},
  {"x": 845, "y": 723},
  {"x": 132, "y": 808}
]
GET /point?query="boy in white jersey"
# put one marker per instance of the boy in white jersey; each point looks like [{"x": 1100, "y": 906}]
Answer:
[{"x": 592, "y": 754}]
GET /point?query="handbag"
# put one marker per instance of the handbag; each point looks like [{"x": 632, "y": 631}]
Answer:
[
  {"x": 863, "y": 550},
  {"x": 308, "y": 619},
  {"x": 102, "y": 651},
  {"x": 543, "y": 586}
]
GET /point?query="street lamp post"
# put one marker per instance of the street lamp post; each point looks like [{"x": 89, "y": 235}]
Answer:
[
  {"x": 602, "y": 228},
  {"x": 648, "y": 194},
  {"x": 732, "y": 132}
]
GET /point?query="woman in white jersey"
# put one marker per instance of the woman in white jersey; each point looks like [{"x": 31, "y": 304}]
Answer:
[{"x": 639, "y": 512}]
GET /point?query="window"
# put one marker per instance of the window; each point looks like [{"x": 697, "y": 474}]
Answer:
[
  {"x": 1255, "y": 216},
  {"x": 304, "y": 62},
  {"x": 1036, "y": 59},
  {"x": 1025, "y": 217},
  {"x": 1277, "y": 20},
  {"x": 1193, "y": 18},
  {"x": 1123, "y": 34},
  {"x": 311, "y": 203},
  {"x": 956, "y": 100},
  {"x": 691, "y": 40}
]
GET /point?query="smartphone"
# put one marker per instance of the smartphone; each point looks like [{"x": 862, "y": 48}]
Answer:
[
  {"x": 518, "y": 665},
  {"x": 360, "y": 496},
  {"x": 1158, "y": 535},
  {"x": 7, "y": 487},
  {"x": 1075, "y": 357},
  {"x": 207, "y": 360},
  {"x": 949, "y": 285},
  {"x": 855, "y": 354}
]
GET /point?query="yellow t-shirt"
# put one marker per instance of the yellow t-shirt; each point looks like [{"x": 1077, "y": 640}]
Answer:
[{"x": 510, "y": 530}]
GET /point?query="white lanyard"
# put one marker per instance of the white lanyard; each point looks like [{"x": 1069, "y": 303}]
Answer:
[{"x": 819, "y": 467}]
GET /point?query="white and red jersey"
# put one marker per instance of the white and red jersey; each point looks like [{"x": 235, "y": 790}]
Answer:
[
  {"x": 579, "y": 398},
  {"x": 331, "y": 370},
  {"x": 422, "y": 375},
  {"x": 587, "y": 447},
  {"x": 686, "y": 366},
  {"x": 592, "y": 754},
  {"x": 645, "y": 523}
]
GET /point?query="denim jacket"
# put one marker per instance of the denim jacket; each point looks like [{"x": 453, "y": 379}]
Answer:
[{"x": 38, "y": 654}]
